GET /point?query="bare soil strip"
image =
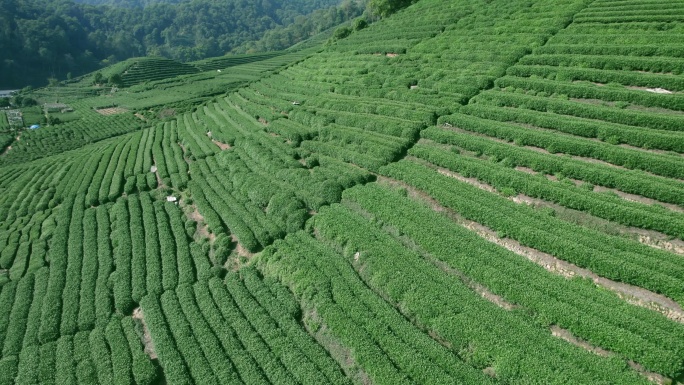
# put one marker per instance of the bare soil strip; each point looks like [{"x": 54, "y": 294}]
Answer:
[
  {"x": 632, "y": 294},
  {"x": 18, "y": 138},
  {"x": 479, "y": 289},
  {"x": 650, "y": 238},
  {"x": 623, "y": 195},
  {"x": 471, "y": 181},
  {"x": 111, "y": 111},
  {"x": 564, "y": 334},
  {"x": 652, "y": 90},
  {"x": 222, "y": 146},
  {"x": 639, "y": 198},
  {"x": 483, "y": 291},
  {"x": 340, "y": 353},
  {"x": 634, "y": 88},
  {"x": 160, "y": 182},
  {"x": 650, "y": 150},
  {"x": 634, "y": 107},
  {"x": 567, "y": 336},
  {"x": 545, "y": 152},
  {"x": 193, "y": 213},
  {"x": 241, "y": 250},
  {"x": 146, "y": 338}
]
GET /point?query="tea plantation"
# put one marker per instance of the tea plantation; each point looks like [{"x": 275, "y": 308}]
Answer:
[{"x": 464, "y": 192}]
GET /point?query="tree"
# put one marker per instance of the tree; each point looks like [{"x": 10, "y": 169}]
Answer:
[
  {"x": 52, "y": 120},
  {"x": 359, "y": 24},
  {"x": 42, "y": 39},
  {"x": 28, "y": 102},
  {"x": 98, "y": 78},
  {"x": 4, "y": 102},
  {"x": 384, "y": 8},
  {"x": 341, "y": 33},
  {"x": 116, "y": 80}
]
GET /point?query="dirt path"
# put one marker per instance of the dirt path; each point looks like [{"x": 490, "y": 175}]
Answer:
[
  {"x": 639, "y": 198},
  {"x": 147, "y": 337},
  {"x": 471, "y": 181},
  {"x": 632, "y": 294},
  {"x": 241, "y": 250},
  {"x": 193, "y": 213},
  {"x": 479, "y": 289},
  {"x": 647, "y": 237},
  {"x": 623, "y": 195},
  {"x": 337, "y": 350},
  {"x": 111, "y": 111},
  {"x": 597, "y": 140},
  {"x": 652, "y": 90},
  {"x": 222, "y": 146},
  {"x": 155, "y": 169},
  {"x": 634, "y": 88},
  {"x": 545, "y": 152},
  {"x": 18, "y": 138},
  {"x": 650, "y": 238},
  {"x": 567, "y": 336}
]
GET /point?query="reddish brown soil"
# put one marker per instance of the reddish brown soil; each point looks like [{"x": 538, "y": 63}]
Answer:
[{"x": 111, "y": 111}]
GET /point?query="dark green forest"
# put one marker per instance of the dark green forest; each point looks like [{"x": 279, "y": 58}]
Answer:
[
  {"x": 42, "y": 39},
  {"x": 128, "y": 3},
  {"x": 304, "y": 27}
]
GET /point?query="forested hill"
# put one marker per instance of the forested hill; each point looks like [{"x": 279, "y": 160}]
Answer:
[
  {"x": 41, "y": 39},
  {"x": 129, "y": 3}
]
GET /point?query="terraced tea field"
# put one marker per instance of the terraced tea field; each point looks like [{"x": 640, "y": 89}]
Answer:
[{"x": 481, "y": 192}]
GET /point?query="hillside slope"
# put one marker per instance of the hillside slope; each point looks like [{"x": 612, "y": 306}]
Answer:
[
  {"x": 480, "y": 192},
  {"x": 43, "y": 39}
]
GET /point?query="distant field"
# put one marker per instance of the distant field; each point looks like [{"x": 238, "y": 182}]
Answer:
[
  {"x": 32, "y": 115},
  {"x": 111, "y": 111},
  {"x": 4, "y": 123},
  {"x": 180, "y": 93},
  {"x": 227, "y": 61},
  {"x": 480, "y": 192}
]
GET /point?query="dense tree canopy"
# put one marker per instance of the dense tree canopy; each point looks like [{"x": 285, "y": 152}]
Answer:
[
  {"x": 42, "y": 39},
  {"x": 305, "y": 27},
  {"x": 385, "y": 8}
]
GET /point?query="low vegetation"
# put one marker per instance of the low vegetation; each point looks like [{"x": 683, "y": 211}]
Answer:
[{"x": 475, "y": 192}]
